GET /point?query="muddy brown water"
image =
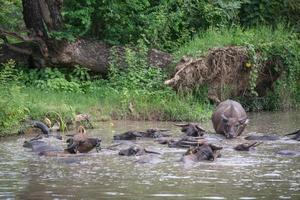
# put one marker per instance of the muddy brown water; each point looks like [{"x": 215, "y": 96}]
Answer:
[{"x": 258, "y": 174}]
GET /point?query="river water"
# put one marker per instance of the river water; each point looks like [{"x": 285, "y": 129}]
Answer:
[{"x": 258, "y": 174}]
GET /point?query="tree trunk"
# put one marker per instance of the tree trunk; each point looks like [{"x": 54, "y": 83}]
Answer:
[
  {"x": 38, "y": 49},
  {"x": 93, "y": 55}
]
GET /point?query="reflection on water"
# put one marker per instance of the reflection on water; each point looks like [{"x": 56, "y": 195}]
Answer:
[{"x": 259, "y": 174}]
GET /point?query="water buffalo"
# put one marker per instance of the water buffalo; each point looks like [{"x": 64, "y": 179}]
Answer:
[
  {"x": 81, "y": 142},
  {"x": 295, "y": 135},
  {"x": 186, "y": 142},
  {"x": 129, "y": 135},
  {"x": 263, "y": 137},
  {"x": 149, "y": 133},
  {"x": 155, "y": 133},
  {"x": 37, "y": 145},
  {"x": 229, "y": 119},
  {"x": 135, "y": 151},
  {"x": 42, "y": 127},
  {"x": 192, "y": 130},
  {"x": 246, "y": 146},
  {"x": 288, "y": 153},
  {"x": 83, "y": 146},
  {"x": 200, "y": 153},
  {"x": 40, "y": 146}
]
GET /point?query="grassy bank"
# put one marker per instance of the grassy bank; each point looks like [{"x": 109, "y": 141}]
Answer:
[
  {"x": 138, "y": 93},
  {"x": 103, "y": 104}
]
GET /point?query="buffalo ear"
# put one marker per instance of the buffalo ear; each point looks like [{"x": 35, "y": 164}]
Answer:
[
  {"x": 199, "y": 128},
  {"x": 224, "y": 118},
  {"x": 243, "y": 120}
]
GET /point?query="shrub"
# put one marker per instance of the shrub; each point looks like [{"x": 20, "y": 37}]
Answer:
[{"x": 138, "y": 74}]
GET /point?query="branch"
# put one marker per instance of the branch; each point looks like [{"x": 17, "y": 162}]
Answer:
[
  {"x": 42, "y": 45},
  {"x": 15, "y": 48},
  {"x": 15, "y": 35},
  {"x": 18, "y": 50}
]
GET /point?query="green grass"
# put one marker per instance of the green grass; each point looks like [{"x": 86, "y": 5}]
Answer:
[
  {"x": 213, "y": 38},
  {"x": 103, "y": 104}
]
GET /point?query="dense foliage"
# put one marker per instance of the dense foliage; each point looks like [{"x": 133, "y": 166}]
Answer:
[
  {"x": 166, "y": 24},
  {"x": 11, "y": 14}
]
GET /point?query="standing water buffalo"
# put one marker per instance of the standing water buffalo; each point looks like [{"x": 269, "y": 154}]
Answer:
[{"x": 229, "y": 119}]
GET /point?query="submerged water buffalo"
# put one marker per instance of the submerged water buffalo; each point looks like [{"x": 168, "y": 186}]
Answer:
[
  {"x": 81, "y": 143},
  {"x": 149, "y": 133},
  {"x": 192, "y": 130},
  {"x": 246, "y": 146},
  {"x": 129, "y": 135},
  {"x": 83, "y": 146},
  {"x": 40, "y": 146},
  {"x": 270, "y": 137},
  {"x": 135, "y": 151},
  {"x": 288, "y": 153},
  {"x": 229, "y": 119},
  {"x": 184, "y": 142},
  {"x": 40, "y": 126},
  {"x": 200, "y": 153}
]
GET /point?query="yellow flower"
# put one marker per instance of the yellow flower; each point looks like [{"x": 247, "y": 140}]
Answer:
[{"x": 248, "y": 65}]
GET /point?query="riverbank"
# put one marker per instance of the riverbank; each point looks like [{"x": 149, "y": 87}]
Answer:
[
  {"x": 139, "y": 92},
  {"x": 21, "y": 103}
]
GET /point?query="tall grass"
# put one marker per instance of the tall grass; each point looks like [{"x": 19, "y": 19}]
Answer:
[
  {"x": 216, "y": 37},
  {"x": 106, "y": 104}
]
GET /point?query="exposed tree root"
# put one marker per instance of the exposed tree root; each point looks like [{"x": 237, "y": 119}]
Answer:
[{"x": 222, "y": 70}]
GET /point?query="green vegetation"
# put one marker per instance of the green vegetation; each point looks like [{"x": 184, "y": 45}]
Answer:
[
  {"x": 135, "y": 90},
  {"x": 137, "y": 94},
  {"x": 167, "y": 24}
]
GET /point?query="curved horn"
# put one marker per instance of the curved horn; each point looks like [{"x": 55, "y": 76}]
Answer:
[
  {"x": 44, "y": 128},
  {"x": 199, "y": 128},
  {"x": 293, "y": 133},
  {"x": 243, "y": 120},
  {"x": 81, "y": 130},
  {"x": 224, "y": 118}
]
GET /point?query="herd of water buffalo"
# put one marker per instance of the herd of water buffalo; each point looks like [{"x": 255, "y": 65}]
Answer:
[{"x": 229, "y": 119}]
